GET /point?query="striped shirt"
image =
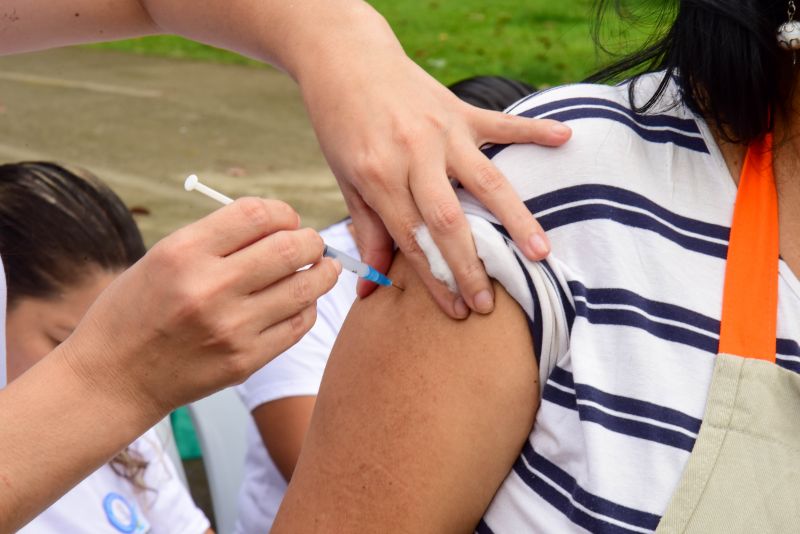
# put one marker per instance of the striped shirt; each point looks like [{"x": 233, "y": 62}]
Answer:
[{"x": 625, "y": 313}]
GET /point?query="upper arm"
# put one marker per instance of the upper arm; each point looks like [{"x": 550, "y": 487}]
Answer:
[
  {"x": 282, "y": 425},
  {"x": 419, "y": 417}
]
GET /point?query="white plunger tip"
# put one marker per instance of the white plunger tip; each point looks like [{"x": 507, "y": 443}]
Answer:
[{"x": 191, "y": 182}]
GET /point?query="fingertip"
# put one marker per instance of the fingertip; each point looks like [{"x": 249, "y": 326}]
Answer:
[
  {"x": 538, "y": 247},
  {"x": 557, "y": 134},
  {"x": 460, "y": 309},
  {"x": 483, "y": 302},
  {"x": 365, "y": 288}
]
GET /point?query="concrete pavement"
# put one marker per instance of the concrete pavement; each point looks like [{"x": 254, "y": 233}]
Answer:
[{"x": 143, "y": 124}]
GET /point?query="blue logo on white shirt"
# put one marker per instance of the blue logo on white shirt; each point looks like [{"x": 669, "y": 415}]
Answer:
[{"x": 120, "y": 513}]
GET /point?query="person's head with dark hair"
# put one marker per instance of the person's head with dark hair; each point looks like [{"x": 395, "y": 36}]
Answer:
[
  {"x": 59, "y": 227},
  {"x": 64, "y": 236},
  {"x": 724, "y": 55},
  {"x": 494, "y": 93}
]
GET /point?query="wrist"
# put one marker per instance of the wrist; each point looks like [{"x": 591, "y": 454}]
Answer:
[
  {"x": 342, "y": 28},
  {"x": 98, "y": 372}
]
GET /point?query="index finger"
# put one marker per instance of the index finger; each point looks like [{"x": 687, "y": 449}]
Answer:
[
  {"x": 480, "y": 177},
  {"x": 502, "y": 128},
  {"x": 242, "y": 223}
]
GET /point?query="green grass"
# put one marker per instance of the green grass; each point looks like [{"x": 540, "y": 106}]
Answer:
[
  {"x": 544, "y": 42},
  {"x": 174, "y": 47}
]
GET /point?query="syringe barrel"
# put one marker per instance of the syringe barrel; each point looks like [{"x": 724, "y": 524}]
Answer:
[{"x": 348, "y": 262}]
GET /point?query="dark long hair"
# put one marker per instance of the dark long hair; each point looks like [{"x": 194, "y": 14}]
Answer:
[
  {"x": 495, "y": 93},
  {"x": 724, "y": 55},
  {"x": 58, "y": 226}
]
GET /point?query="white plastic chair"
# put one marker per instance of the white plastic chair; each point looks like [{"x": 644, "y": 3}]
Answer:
[
  {"x": 220, "y": 422},
  {"x": 167, "y": 438}
]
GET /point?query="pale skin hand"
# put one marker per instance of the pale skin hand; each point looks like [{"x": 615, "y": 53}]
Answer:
[
  {"x": 391, "y": 134},
  {"x": 221, "y": 296},
  {"x": 418, "y": 420},
  {"x": 204, "y": 309}
]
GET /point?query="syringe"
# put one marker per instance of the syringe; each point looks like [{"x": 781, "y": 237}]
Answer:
[{"x": 349, "y": 263}]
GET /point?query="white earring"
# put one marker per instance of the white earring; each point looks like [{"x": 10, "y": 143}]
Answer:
[{"x": 789, "y": 32}]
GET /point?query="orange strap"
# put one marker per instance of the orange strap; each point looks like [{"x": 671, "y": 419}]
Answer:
[{"x": 750, "y": 298}]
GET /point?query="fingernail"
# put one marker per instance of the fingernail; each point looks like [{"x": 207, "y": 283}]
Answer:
[
  {"x": 539, "y": 246},
  {"x": 460, "y": 308},
  {"x": 484, "y": 303},
  {"x": 560, "y": 130},
  {"x": 338, "y": 266}
]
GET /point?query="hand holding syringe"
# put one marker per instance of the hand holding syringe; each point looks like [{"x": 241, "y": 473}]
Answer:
[{"x": 349, "y": 263}]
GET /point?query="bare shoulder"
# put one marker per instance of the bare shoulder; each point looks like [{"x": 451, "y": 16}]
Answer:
[{"x": 419, "y": 417}]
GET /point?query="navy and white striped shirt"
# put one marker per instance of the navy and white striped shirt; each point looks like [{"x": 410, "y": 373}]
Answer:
[{"x": 625, "y": 312}]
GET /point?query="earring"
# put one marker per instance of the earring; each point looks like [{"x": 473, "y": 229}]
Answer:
[{"x": 789, "y": 33}]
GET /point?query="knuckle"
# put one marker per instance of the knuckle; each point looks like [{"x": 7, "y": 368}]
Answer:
[
  {"x": 302, "y": 322},
  {"x": 170, "y": 255},
  {"x": 303, "y": 291},
  {"x": 368, "y": 168},
  {"x": 280, "y": 210},
  {"x": 224, "y": 335},
  {"x": 471, "y": 270},
  {"x": 411, "y": 138},
  {"x": 445, "y": 217},
  {"x": 288, "y": 248},
  {"x": 189, "y": 304},
  {"x": 488, "y": 179},
  {"x": 255, "y": 211},
  {"x": 237, "y": 367},
  {"x": 404, "y": 138}
]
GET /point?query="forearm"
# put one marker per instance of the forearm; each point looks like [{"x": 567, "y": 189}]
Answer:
[
  {"x": 56, "y": 429},
  {"x": 295, "y": 36},
  {"x": 28, "y": 25},
  {"x": 291, "y": 35}
]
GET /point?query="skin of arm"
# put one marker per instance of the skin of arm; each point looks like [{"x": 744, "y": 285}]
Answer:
[
  {"x": 41, "y": 462},
  {"x": 405, "y": 133},
  {"x": 419, "y": 418},
  {"x": 283, "y": 424}
]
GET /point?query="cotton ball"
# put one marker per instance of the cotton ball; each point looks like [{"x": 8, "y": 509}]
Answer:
[{"x": 439, "y": 268}]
